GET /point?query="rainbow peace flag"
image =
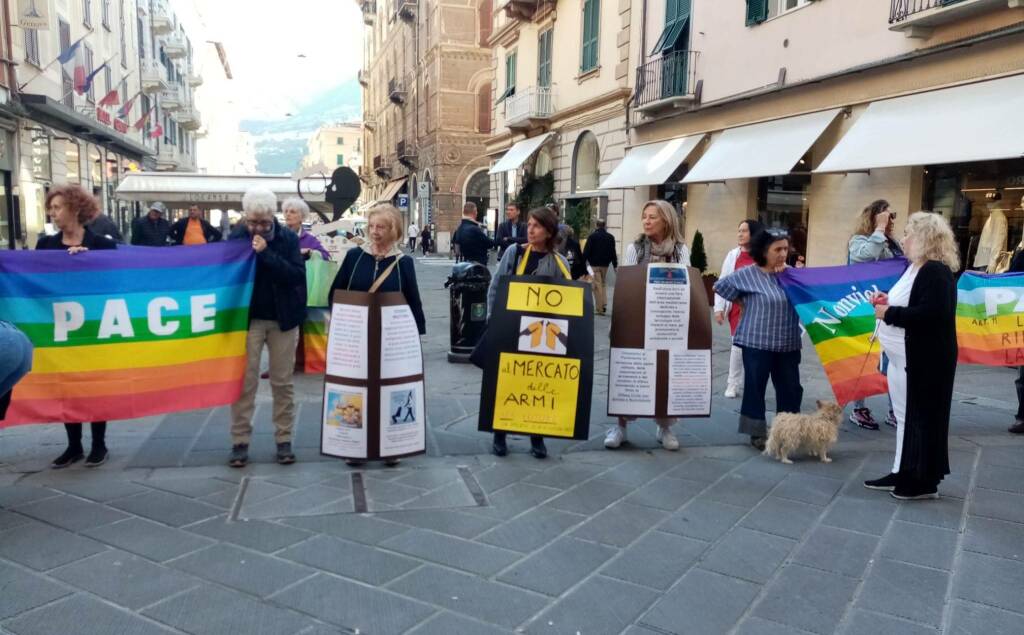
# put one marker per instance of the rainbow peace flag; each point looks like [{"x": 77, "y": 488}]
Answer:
[
  {"x": 312, "y": 351},
  {"x": 990, "y": 318},
  {"x": 833, "y": 306},
  {"x": 129, "y": 332}
]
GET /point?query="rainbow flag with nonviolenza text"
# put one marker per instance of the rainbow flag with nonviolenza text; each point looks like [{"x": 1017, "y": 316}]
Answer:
[
  {"x": 833, "y": 305},
  {"x": 990, "y": 318},
  {"x": 127, "y": 333}
]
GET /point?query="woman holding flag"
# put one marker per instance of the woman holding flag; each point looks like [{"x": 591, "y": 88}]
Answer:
[{"x": 918, "y": 334}]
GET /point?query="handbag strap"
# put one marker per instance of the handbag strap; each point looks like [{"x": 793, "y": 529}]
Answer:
[{"x": 384, "y": 275}]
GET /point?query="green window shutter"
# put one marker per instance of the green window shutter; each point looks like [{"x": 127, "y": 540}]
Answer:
[
  {"x": 757, "y": 11},
  {"x": 677, "y": 16},
  {"x": 544, "y": 59},
  {"x": 341, "y": 159},
  {"x": 591, "y": 20}
]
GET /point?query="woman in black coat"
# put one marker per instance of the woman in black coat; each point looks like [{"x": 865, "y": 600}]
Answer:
[
  {"x": 71, "y": 207},
  {"x": 918, "y": 334}
]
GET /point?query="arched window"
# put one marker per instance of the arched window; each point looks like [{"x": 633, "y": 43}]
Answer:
[
  {"x": 483, "y": 109},
  {"x": 586, "y": 163}
]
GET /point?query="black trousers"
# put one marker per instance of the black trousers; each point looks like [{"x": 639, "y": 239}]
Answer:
[
  {"x": 784, "y": 370},
  {"x": 1020, "y": 393},
  {"x": 99, "y": 434}
]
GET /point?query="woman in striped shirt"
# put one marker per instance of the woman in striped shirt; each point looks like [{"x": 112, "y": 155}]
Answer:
[{"x": 768, "y": 333}]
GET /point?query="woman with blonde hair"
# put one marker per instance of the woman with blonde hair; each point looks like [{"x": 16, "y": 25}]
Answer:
[
  {"x": 661, "y": 241},
  {"x": 918, "y": 334}
]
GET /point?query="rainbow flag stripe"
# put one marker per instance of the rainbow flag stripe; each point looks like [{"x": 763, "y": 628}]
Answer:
[
  {"x": 990, "y": 318},
  {"x": 833, "y": 307},
  {"x": 128, "y": 333},
  {"x": 312, "y": 356}
]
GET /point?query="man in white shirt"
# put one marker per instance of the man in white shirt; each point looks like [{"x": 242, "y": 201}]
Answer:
[{"x": 414, "y": 233}]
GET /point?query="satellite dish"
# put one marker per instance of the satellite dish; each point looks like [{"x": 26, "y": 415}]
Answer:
[{"x": 341, "y": 192}]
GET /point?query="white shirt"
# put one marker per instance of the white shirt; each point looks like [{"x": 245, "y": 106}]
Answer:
[
  {"x": 893, "y": 338},
  {"x": 414, "y": 231}
]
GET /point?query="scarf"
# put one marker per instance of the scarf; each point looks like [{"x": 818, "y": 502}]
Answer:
[{"x": 650, "y": 251}]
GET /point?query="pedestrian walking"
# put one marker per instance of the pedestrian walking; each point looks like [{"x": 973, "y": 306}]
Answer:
[
  {"x": 277, "y": 308},
  {"x": 873, "y": 241},
  {"x": 473, "y": 243},
  {"x": 512, "y": 230},
  {"x": 14, "y": 363},
  {"x": 567, "y": 245},
  {"x": 194, "y": 229},
  {"x": 296, "y": 211},
  {"x": 152, "y": 229},
  {"x": 414, "y": 233},
  {"x": 661, "y": 241},
  {"x": 70, "y": 209},
  {"x": 737, "y": 258},
  {"x": 918, "y": 334},
  {"x": 380, "y": 265},
  {"x": 427, "y": 239},
  {"x": 536, "y": 258},
  {"x": 768, "y": 333},
  {"x": 600, "y": 253}
]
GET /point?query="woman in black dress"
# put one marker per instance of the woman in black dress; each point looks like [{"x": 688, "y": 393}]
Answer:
[{"x": 70, "y": 207}]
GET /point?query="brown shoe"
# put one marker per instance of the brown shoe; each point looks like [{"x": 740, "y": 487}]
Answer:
[{"x": 1017, "y": 428}]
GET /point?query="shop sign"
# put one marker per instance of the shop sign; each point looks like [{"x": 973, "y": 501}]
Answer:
[
  {"x": 1015, "y": 181},
  {"x": 33, "y": 14},
  {"x": 102, "y": 116},
  {"x": 121, "y": 126},
  {"x": 41, "y": 166}
]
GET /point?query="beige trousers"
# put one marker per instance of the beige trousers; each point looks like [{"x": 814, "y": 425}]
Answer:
[
  {"x": 281, "y": 347},
  {"x": 600, "y": 297}
]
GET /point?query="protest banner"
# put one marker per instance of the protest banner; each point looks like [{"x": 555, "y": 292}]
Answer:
[
  {"x": 374, "y": 402},
  {"x": 990, "y": 318},
  {"x": 130, "y": 332},
  {"x": 538, "y": 358},
  {"x": 660, "y": 356}
]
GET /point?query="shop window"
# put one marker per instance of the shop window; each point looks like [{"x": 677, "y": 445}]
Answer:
[
  {"x": 674, "y": 191},
  {"x": 782, "y": 203},
  {"x": 586, "y": 170}
]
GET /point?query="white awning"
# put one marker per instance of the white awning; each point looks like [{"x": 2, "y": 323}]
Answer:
[
  {"x": 204, "y": 189},
  {"x": 519, "y": 153},
  {"x": 975, "y": 122},
  {"x": 391, "y": 190},
  {"x": 762, "y": 149},
  {"x": 651, "y": 164}
]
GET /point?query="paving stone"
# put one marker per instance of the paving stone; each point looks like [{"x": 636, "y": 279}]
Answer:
[
  {"x": 760, "y": 626},
  {"x": 69, "y": 616},
  {"x": 837, "y": 550},
  {"x": 637, "y": 471},
  {"x": 388, "y": 493},
  {"x": 256, "y": 534},
  {"x": 998, "y": 505},
  {"x": 811, "y": 599},
  {"x": 448, "y": 496},
  {"x": 944, "y": 512},
  {"x": 866, "y": 516},
  {"x": 501, "y": 476},
  {"x": 259, "y": 489},
  {"x": 817, "y": 490},
  {"x": 666, "y": 493},
  {"x": 350, "y": 559},
  {"x": 167, "y": 508},
  {"x": 782, "y": 517},
  {"x": 702, "y": 470},
  {"x": 70, "y": 513},
  {"x": 358, "y": 527},
  {"x": 448, "y": 522},
  {"x": 564, "y": 476},
  {"x": 560, "y": 565},
  {"x": 42, "y": 547},
  {"x": 905, "y": 590},
  {"x": 997, "y": 477},
  {"x": 102, "y": 491},
  {"x": 23, "y": 591},
  {"x": 167, "y": 452},
  {"x": 531, "y": 530},
  {"x": 148, "y": 539},
  {"x": 515, "y": 499},
  {"x": 994, "y": 537},
  {"x": 742, "y": 490},
  {"x": 11, "y": 519},
  {"x": 599, "y": 605},
  {"x": 703, "y": 602},
  {"x": 445, "y": 623},
  {"x": 12, "y": 495},
  {"x": 124, "y": 579},
  {"x": 240, "y": 569},
  {"x": 191, "y": 487},
  {"x": 969, "y": 618},
  {"x": 656, "y": 560},
  {"x": 620, "y": 524},
  {"x": 703, "y": 519},
  {"x": 748, "y": 554},
  {"x": 920, "y": 544},
  {"x": 988, "y": 580},
  {"x": 300, "y": 502},
  {"x": 470, "y": 595},
  {"x": 453, "y": 552},
  {"x": 183, "y": 425},
  {"x": 639, "y": 630},
  {"x": 210, "y": 610},
  {"x": 590, "y": 497},
  {"x": 865, "y": 623},
  {"x": 1003, "y": 456}
]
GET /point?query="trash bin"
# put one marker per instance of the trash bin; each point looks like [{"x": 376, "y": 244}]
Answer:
[{"x": 467, "y": 287}]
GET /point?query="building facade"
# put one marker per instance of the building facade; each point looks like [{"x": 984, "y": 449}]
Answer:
[
  {"x": 335, "y": 145},
  {"x": 426, "y": 81}
]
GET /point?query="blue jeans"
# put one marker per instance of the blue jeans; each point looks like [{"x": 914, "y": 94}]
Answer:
[
  {"x": 784, "y": 370},
  {"x": 15, "y": 361}
]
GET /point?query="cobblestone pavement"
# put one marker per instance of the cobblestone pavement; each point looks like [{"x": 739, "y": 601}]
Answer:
[{"x": 712, "y": 539}]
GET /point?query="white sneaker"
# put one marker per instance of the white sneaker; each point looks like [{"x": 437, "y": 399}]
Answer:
[
  {"x": 666, "y": 438},
  {"x": 731, "y": 392},
  {"x": 615, "y": 436}
]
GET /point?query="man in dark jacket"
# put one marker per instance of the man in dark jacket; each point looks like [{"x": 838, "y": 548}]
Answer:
[
  {"x": 152, "y": 229},
  {"x": 277, "y": 308},
  {"x": 194, "y": 230},
  {"x": 473, "y": 243},
  {"x": 511, "y": 231},
  {"x": 102, "y": 225},
  {"x": 600, "y": 253}
]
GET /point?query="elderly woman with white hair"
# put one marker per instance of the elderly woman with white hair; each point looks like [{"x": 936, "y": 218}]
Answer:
[
  {"x": 296, "y": 211},
  {"x": 277, "y": 308},
  {"x": 918, "y": 334}
]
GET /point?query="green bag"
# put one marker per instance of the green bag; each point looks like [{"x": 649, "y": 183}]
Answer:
[{"x": 320, "y": 276}]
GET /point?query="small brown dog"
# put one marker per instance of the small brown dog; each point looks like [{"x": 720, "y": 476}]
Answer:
[{"x": 813, "y": 433}]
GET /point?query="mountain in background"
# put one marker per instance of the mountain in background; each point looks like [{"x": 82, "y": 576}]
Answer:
[{"x": 281, "y": 143}]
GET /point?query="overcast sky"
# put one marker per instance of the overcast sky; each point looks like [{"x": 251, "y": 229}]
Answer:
[{"x": 264, "y": 40}]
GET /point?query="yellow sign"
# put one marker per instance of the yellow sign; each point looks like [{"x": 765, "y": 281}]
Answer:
[
  {"x": 536, "y": 394},
  {"x": 554, "y": 299}
]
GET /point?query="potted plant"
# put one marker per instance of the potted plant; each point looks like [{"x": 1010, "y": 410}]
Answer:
[{"x": 699, "y": 259}]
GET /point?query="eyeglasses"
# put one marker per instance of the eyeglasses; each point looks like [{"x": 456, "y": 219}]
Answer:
[{"x": 259, "y": 223}]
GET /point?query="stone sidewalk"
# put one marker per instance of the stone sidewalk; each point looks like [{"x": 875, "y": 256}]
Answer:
[{"x": 713, "y": 539}]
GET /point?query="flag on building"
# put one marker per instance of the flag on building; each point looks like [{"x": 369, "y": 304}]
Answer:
[
  {"x": 87, "y": 83},
  {"x": 990, "y": 319},
  {"x": 128, "y": 333},
  {"x": 145, "y": 117},
  {"x": 73, "y": 62},
  {"x": 126, "y": 109},
  {"x": 112, "y": 98},
  {"x": 156, "y": 132}
]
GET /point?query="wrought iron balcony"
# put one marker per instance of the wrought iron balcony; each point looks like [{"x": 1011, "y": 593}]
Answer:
[
  {"x": 526, "y": 10},
  {"x": 406, "y": 9},
  {"x": 528, "y": 107},
  {"x": 917, "y": 18},
  {"x": 396, "y": 91},
  {"x": 666, "y": 82},
  {"x": 381, "y": 168},
  {"x": 406, "y": 154}
]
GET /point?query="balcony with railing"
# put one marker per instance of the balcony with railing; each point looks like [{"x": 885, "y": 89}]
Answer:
[
  {"x": 154, "y": 77},
  {"x": 188, "y": 118},
  {"x": 381, "y": 168},
  {"x": 917, "y": 18},
  {"x": 526, "y": 10},
  {"x": 171, "y": 99},
  {"x": 369, "y": 122},
  {"x": 666, "y": 82},
  {"x": 406, "y": 9},
  {"x": 193, "y": 78},
  {"x": 406, "y": 154},
  {"x": 369, "y": 9},
  {"x": 160, "y": 20},
  {"x": 529, "y": 107},
  {"x": 396, "y": 91},
  {"x": 364, "y": 77},
  {"x": 174, "y": 46},
  {"x": 167, "y": 157}
]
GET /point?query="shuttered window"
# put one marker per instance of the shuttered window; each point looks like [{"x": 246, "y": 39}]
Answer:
[
  {"x": 544, "y": 59},
  {"x": 677, "y": 17},
  {"x": 591, "y": 23},
  {"x": 510, "y": 77},
  {"x": 757, "y": 11}
]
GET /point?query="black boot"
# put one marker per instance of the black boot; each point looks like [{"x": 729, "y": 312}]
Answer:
[
  {"x": 537, "y": 447},
  {"x": 98, "y": 454},
  {"x": 499, "y": 446},
  {"x": 74, "y": 453}
]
